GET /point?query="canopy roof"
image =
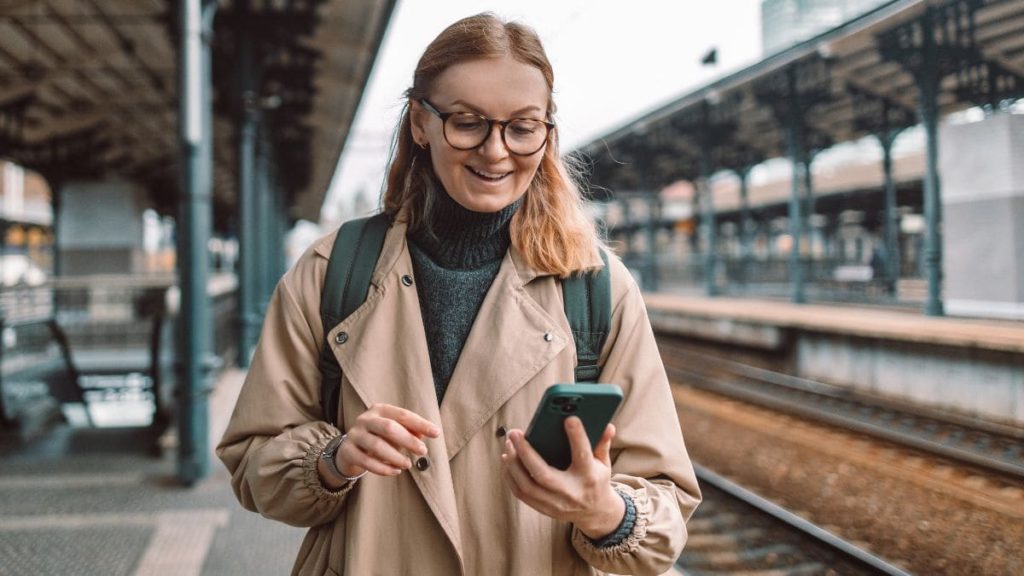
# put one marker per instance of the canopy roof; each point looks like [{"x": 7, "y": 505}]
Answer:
[
  {"x": 852, "y": 81},
  {"x": 89, "y": 89}
]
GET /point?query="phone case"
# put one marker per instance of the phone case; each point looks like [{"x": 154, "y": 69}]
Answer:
[{"x": 595, "y": 404}]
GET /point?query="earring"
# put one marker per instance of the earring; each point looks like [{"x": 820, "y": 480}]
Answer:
[{"x": 423, "y": 145}]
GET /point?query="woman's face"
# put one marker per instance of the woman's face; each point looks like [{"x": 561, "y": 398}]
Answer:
[{"x": 489, "y": 177}]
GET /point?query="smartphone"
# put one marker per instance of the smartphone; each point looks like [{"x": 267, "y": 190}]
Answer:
[{"x": 595, "y": 404}]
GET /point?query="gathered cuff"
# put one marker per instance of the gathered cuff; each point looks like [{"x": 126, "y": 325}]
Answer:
[
  {"x": 629, "y": 544},
  {"x": 311, "y": 478}
]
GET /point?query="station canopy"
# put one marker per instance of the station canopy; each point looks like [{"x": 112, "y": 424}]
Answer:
[
  {"x": 89, "y": 90},
  {"x": 858, "y": 79}
]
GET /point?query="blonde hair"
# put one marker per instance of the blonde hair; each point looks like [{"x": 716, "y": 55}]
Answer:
[{"x": 551, "y": 229}]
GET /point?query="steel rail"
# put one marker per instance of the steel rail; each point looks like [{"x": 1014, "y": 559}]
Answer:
[
  {"x": 772, "y": 401},
  {"x": 830, "y": 540}
]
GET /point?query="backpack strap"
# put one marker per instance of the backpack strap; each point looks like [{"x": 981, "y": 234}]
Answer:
[
  {"x": 346, "y": 285},
  {"x": 588, "y": 307}
]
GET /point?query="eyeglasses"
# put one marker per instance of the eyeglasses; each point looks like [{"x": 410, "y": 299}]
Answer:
[{"x": 466, "y": 131}]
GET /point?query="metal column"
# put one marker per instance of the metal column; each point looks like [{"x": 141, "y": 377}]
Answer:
[
  {"x": 809, "y": 205},
  {"x": 928, "y": 86},
  {"x": 746, "y": 250},
  {"x": 653, "y": 218},
  {"x": 248, "y": 289},
  {"x": 891, "y": 224},
  {"x": 708, "y": 218},
  {"x": 195, "y": 344},
  {"x": 794, "y": 148}
]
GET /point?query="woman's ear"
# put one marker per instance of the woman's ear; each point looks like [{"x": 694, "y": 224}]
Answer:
[{"x": 418, "y": 118}]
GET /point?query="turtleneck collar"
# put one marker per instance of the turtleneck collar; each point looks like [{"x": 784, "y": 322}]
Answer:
[{"x": 458, "y": 239}]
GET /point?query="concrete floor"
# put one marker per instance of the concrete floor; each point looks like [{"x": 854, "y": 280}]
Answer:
[{"x": 100, "y": 502}]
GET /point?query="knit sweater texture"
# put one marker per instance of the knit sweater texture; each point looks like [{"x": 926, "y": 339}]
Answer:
[{"x": 455, "y": 262}]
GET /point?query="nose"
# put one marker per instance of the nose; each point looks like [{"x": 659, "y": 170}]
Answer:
[{"x": 493, "y": 147}]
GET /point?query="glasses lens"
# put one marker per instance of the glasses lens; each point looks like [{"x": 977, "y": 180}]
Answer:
[
  {"x": 525, "y": 136},
  {"x": 465, "y": 131}
]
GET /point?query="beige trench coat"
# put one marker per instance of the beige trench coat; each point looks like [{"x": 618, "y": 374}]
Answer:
[{"x": 457, "y": 516}]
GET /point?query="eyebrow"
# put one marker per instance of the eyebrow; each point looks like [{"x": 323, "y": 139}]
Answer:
[{"x": 515, "y": 114}]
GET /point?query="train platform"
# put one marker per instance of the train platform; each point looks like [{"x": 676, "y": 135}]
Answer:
[
  {"x": 95, "y": 501},
  {"x": 967, "y": 367},
  {"x": 863, "y": 322}
]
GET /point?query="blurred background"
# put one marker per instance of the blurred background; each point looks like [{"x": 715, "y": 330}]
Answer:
[{"x": 823, "y": 202}]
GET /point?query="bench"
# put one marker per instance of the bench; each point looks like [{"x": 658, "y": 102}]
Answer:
[{"x": 42, "y": 382}]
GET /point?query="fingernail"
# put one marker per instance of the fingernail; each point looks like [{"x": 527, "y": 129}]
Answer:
[{"x": 435, "y": 431}]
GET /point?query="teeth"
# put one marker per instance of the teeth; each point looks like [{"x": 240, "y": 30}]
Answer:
[{"x": 489, "y": 175}]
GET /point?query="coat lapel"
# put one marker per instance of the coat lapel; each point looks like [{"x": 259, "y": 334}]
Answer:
[
  {"x": 385, "y": 360},
  {"x": 507, "y": 346}
]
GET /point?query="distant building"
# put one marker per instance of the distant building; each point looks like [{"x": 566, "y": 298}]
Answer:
[{"x": 787, "y": 22}]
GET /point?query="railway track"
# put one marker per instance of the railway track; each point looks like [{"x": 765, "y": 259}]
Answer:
[
  {"x": 988, "y": 446},
  {"x": 734, "y": 531}
]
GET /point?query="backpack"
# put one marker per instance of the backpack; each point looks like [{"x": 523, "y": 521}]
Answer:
[{"x": 588, "y": 303}]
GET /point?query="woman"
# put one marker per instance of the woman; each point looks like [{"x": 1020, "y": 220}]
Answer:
[{"x": 445, "y": 362}]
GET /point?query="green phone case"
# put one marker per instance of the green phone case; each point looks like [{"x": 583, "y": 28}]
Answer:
[{"x": 595, "y": 404}]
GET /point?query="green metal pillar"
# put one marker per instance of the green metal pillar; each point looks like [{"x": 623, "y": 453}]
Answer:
[
  {"x": 746, "y": 250},
  {"x": 928, "y": 111},
  {"x": 794, "y": 148},
  {"x": 891, "y": 223},
  {"x": 195, "y": 344},
  {"x": 708, "y": 218},
  {"x": 809, "y": 206},
  {"x": 248, "y": 317},
  {"x": 653, "y": 218}
]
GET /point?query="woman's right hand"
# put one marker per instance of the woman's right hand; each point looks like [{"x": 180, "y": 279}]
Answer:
[{"x": 377, "y": 438}]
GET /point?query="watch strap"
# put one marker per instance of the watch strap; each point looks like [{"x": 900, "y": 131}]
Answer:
[{"x": 329, "y": 456}]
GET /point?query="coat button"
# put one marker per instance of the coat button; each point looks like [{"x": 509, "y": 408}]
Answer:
[
  {"x": 501, "y": 432},
  {"x": 422, "y": 463},
  {"x": 341, "y": 337},
  {"x": 407, "y": 280},
  {"x": 548, "y": 337}
]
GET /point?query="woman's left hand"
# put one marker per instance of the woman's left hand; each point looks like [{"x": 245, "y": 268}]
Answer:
[{"x": 581, "y": 494}]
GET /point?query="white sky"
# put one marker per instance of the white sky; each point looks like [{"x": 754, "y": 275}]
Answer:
[{"x": 613, "y": 61}]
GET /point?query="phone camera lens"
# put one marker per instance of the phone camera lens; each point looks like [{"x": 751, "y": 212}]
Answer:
[
  {"x": 559, "y": 400},
  {"x": 568, "y": 408}
]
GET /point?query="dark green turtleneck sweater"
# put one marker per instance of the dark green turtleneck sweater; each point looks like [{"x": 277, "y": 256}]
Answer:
[{"x": 455, "y": 263}]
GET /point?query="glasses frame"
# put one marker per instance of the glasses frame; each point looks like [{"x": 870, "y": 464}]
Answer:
[{"x": 444, "y": 116}]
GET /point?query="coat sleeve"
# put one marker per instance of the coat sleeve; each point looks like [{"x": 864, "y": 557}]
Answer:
[
  {"x": 649, "y": 460},
  {"x": 275, "y": 434}
]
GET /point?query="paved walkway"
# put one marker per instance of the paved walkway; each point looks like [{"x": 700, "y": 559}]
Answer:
[{"x": 98, "y": 502}]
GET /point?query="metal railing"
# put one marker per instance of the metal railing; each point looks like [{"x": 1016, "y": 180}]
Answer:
[{"x": 828, "y": 280}]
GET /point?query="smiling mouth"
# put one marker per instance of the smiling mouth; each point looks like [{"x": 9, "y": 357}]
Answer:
[{"x": 489, "y": 176}]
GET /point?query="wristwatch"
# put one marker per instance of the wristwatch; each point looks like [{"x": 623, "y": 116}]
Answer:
[{"x": 329, "y": 454}]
